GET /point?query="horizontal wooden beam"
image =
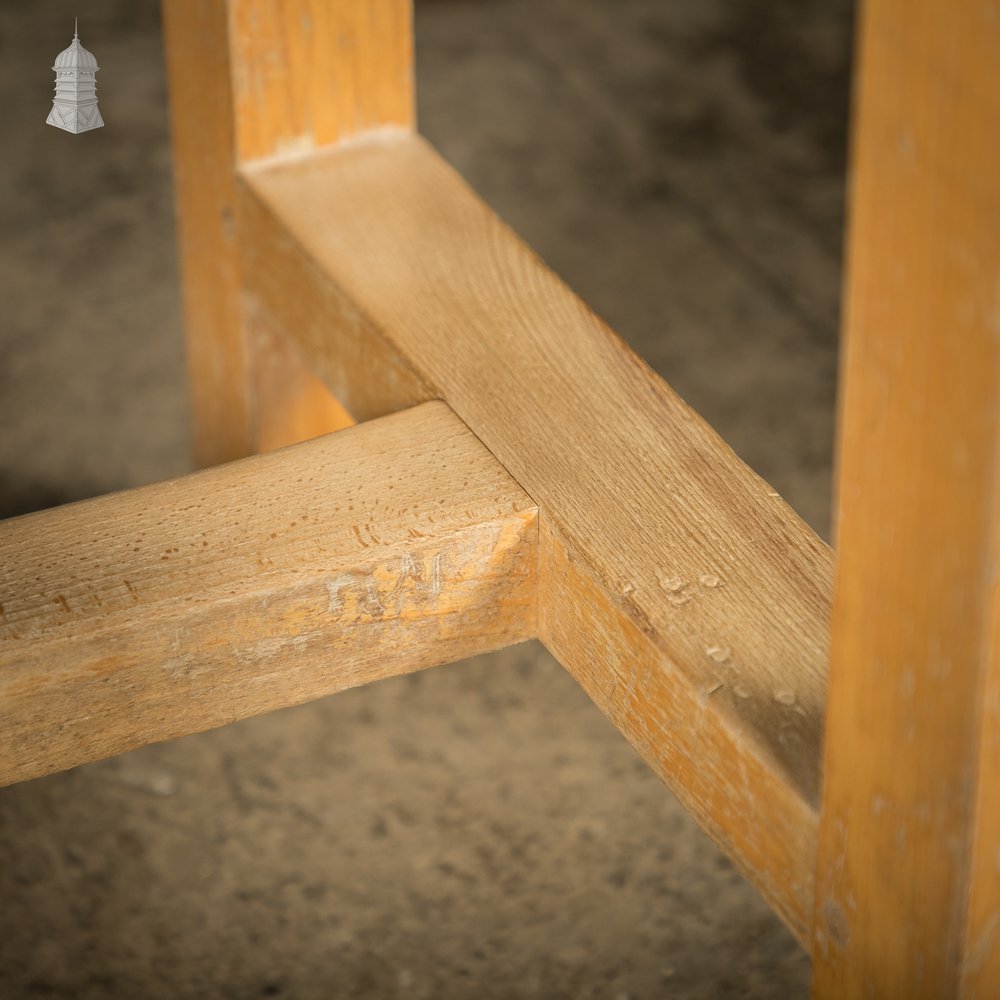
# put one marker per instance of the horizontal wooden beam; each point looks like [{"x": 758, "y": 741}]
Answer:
[
  {"x": 686, "y": 596},
  {"x": 168, "y": 610}
]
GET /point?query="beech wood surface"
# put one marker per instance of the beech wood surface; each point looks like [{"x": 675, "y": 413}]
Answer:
[
  {"x": 292, "y": 404},
  {"x": 168, "y": 610},
  {"x": 684, "y": 593},
  {"x": 908, "y": 883},
  {"x": 567, "y": 491},
  {"x": 250, "y": 79},
  {"x": 311, "y": 73},
  {"x": 202, "y": 140}
]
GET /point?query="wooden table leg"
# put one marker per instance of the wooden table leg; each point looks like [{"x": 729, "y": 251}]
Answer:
[
  {"x": 249, "y": 81},
  {"x": 908, "y": 881}
]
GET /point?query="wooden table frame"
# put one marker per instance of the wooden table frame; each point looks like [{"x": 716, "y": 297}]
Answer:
[{"x": 518, "y": 472}]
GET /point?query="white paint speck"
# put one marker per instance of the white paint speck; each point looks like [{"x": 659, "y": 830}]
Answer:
[
  {"x": 333, "y": 589},
  {"x": 436, "y": 581}
]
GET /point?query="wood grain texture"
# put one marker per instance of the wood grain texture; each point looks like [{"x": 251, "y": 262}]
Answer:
[
  {"x": 202, "y": 139},
  {"x": 287, "y": 294},
  {"x": 250, "y": 79},
  {"x": 908, "y": 898},
  {"x": 168, "y": 610},
  {"x": 309, "y": 73},
  {"x": 700, "y": 576},
  {"x": 688, "y": 728},
  {"x": 293, "y": 405},
  {"x": 981, "y": 956}
]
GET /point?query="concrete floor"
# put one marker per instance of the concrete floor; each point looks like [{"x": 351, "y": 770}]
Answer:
[{"x": 479, "y": 830}]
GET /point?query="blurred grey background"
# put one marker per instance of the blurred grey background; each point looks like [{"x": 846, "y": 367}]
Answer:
[{"x": 478, "y": 830}]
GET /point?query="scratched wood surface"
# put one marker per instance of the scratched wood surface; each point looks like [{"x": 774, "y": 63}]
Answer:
[
  {"x": 908, "y": 884},
  {"x": 168, "y": 610},
  {"x": 660, "y": 542},
  {"x": 248, "y": 80}
]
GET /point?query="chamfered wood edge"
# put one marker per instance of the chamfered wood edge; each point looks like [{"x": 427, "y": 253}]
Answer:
[{"x": 151, "y": 614}]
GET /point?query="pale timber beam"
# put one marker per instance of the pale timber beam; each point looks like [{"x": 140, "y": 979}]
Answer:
[
  {"x": 263, "y": 583},
  {"x": 908, "y": 883},
  {"x": 684, "y": 594},
  {"x": 250, "y": 79}
]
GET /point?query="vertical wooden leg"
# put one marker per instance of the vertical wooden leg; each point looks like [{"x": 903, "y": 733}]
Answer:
[
  {"x": 201, "y": 119},
  {"x": 908, "y": 880},
  {"x": 251, "y": 79}
]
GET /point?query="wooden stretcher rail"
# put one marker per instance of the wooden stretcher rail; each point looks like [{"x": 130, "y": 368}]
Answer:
[
  {"x": 677, "y": 587},
  {"x": 168, "y": 610}
]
